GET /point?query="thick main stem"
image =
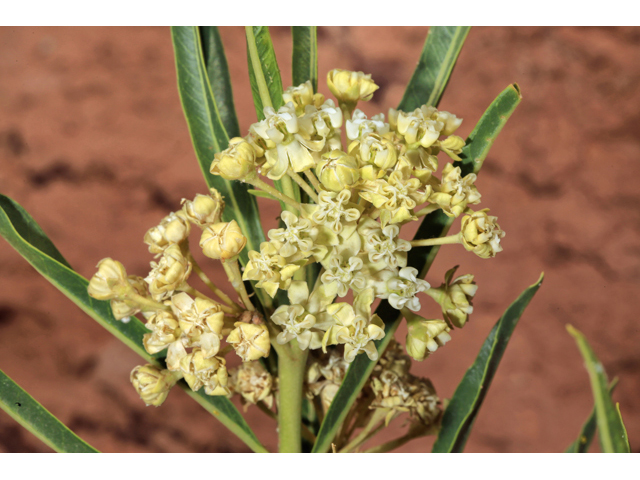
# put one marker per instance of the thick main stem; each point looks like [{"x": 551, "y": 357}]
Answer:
[{"x": 291, "y": 369}]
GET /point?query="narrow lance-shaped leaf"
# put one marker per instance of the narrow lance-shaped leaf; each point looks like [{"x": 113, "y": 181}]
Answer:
[
  {"x": 305, "y": 55},
  {"x": 217, "y": 68},
  {"x": 25, "y": 410},
  {"x": 434, "y": 225},
  {"x": 264, "y": 73},
  {"x": 588, "y": 430},
  {"x": 25, "y": 235},
  {"x": 465, "y": 404},
  {"x": 430, "y": 78},
  {"x": 611, "y": 431},
  {"x": 208, "y": 134}
]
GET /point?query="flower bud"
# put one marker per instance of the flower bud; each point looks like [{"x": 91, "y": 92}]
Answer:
[
  {"x": 174, "y": 228},
  {"x": 204, "y": 209},
  {"x": 208, "y": 372},
  {"x": 236, "y": 162},
  {"x": 337, "y": 170},
  {"x": 169, "y": 273},
  {"x": 481, "y": 234},
  {"x": 222, "y": 241},
  {"x": 453, "y": 144},
  {"x": 455, "y": 297},
  {"x": 425, "y": 336},
  {"x": 110, "y": 281},
  {"x": 250, "y": 341},
  {"x": 165, "y": 330},
  {"x": 350, "y": 87},
  {"x": 126, "y": 308},
  {"x": 301, "y": 96},
  {"x": 253, "y": 382},
  {"x": 152, "y": 383}
]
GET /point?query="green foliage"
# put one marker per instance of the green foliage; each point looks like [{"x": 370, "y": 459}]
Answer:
[
  {"x": 588, "y": 430},
  {"x": 264, "y": 74},
  {"x": 25, "y": 410},
  {"x": 466, "y": 401},
  {"x": 305, "y": 55},
  {"x": 207, "y": 130},
  {"x": 430, "y": 78},
  {"x": 25, "y": 235},
  {"x": 611, "y": 431}
]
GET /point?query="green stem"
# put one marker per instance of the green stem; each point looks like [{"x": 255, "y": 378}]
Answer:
[
  {"x": 145, "y": 303},
  {"x": 289, "y": 201},
  {"x": 205, "y": 279},
  {"x": 232, "y": 269},
  {"x": 368, "y": 431},
  {"x": 398, "y": 442},
  {"x": 303, "y": 185},
  {"x": 263, "y": 89},
  {"x": 289, "y": 190},
  {"x": 291, "y": 370},
  {"x": 428, "y": 242},
  {"x": 313, "y": 179}
]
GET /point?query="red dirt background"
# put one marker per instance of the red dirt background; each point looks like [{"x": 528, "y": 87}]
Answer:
[{"x": 93, "y": 143}]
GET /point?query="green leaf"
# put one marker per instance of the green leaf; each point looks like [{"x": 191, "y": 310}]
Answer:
[
  {"x": 208, "y": 133},
  {"x": 611, "y": 431},
  {"x": 434, "y": 225},
  {"x": 305, "y": 55},
  {"x": 465, "y": 404},
  {"x": 430, "y": 78},
  {"x": 588, "y": 430},
  {"x": 217, "y": 68},
  {"x": 26, "y": 236},
  {"x": 264, "y": 73},
  {"x": 25, "y": 410}
]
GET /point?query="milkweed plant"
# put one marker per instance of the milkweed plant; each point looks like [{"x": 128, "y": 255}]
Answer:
[{"x": 317, "y": 301}]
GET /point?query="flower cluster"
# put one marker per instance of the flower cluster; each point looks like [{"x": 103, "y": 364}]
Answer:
[{"x": 348, "y": 185}]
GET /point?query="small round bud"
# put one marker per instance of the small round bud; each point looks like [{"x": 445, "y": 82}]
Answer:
[
  {"x": 222, "y": 241},
  {"x": 110, "y": 281},
  {"x": 152, "y": 383},
  {"x": 481, "y": 234},
  {"x": 204, "y": 209},
  {"x": 453, "y": 143},
  {"x": 337, "y": 170},
  {"x": 169, "y": 273},
  {"x": 250, "y": 341},
  {"x": 174, "y": 228},
  {"x": 236, "y": 162},
  {"x": 200, "y": 371},
  {"x": 350, "y": 87},
  {"x": 425, "y": 336}
]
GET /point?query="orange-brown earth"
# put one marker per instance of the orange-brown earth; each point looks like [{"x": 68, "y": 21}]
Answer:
[{"x": 94, "y": 145}]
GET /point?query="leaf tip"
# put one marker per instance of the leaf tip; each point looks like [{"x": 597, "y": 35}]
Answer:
[{"x": 516, "y": 87}]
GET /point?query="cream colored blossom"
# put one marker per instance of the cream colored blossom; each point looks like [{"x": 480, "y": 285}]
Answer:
[
  {"x": 169, "y": 273},
  {"x": 253, "y": 382},
  {"x": 425, "y": 336},
  {"x": 152, "y": 383},
  {"x": 335, "y": 211},
  {"x": 360, "y": 126},
  {"x": 236, "y": 162},
  {"x": 201, "y": 320},
  {"x": 449, "y": 120},
  {"x": 383, "y": 246},
  {"x": 324, "y": 378},
  {"x": 123, "y": 307},
  {"x": 250, "y": 341},
  {"x": 210, "y": 373},
  {"x": 110, "y": 281},
  {"x": 222, "y": 241},
  {"x": 481, "y": 234},
  {"x": 454, "y": 297},
  {"x": 305, "y": 318},
  {"x": 454, "y": 192},
  {"x": 376, "y": 155},
  {"x": 296, "y": 237},
  {"x": 270, "y": 269},
  {"x": 418, "y": 130},
  {"x": 174, "y": 228},
  {"x": 302, "y": 96},
  {"x": 337, "y": 170},
  {"x": 401, "y": 289},
  {"x": 419, "y": 163},
  {"x": 323, "y": 121},
  {"x": 285, "y": 148},
  {"x": 355, "y": 327},
  {"x": 204, "y": 210},
  {"x": 344, "y": 273},
  {"x": 396, "y": 197},
  {"x": 350, "y": 87},
  {"x": 165, "y": 330}
]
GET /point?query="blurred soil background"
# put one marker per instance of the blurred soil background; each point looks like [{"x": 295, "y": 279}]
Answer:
[{"x": 93, "y": 143}]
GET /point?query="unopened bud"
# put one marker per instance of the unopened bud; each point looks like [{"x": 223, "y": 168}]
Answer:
[
  {"x": 425, "y": 336},
  {"x": 250, "y": 341},
  {"x": 110, "y": 281},
  {"x": 222, "y": 241},
  {"x": 236, "y": 162},
  {"x": 337, "y": 170},
  {"x": 152, "y": 383},
  {"x": 204, "y": 209},
  {"x": 350, "y": 87},
  {"x": 481, "y": 234}
]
